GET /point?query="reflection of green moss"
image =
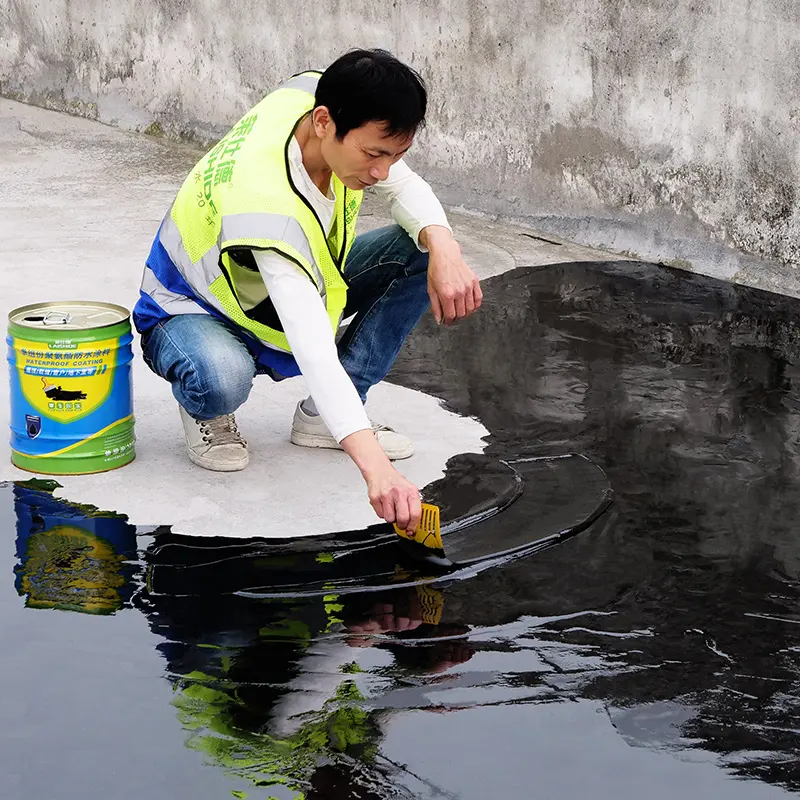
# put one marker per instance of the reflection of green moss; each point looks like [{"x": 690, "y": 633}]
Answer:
[
  {"x": 292, "y": 629},
  {"x": 342, "y": 726},
  {"x": 332, "y": 610}
]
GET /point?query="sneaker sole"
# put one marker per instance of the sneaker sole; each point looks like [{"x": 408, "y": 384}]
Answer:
[
  {"x": 324, "y": 442},
  {"x": 215, "y": 466}
]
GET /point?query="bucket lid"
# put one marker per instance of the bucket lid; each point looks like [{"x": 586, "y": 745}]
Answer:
[{"x": 74, "y": 315}]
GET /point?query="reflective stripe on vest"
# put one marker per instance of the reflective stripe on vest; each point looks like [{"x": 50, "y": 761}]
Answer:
[
  {"x": 303, "y": 82},
  {"x": 241, "y": 226}
]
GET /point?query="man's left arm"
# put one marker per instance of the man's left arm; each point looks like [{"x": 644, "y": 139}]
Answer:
[{"x": 453, "y": 287}]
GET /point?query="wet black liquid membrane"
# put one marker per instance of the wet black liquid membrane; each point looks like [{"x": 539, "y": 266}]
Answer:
[{"x": 653, "y": 654}]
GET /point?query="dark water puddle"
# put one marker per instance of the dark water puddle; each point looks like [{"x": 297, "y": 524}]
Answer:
[{"x": 654, "y": 653}]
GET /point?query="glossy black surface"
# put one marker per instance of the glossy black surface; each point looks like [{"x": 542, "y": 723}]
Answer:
[{"x": 655, "y": 654}]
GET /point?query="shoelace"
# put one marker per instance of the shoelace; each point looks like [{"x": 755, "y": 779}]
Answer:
[
  {"x": 221, "y": 430},
  {"x": 379, "y": 426}
]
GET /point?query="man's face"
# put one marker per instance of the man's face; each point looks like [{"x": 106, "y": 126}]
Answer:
[{"x": 365, "y": 154}]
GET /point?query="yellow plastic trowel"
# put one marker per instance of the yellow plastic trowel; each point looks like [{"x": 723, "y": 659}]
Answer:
[{"x": 428, "y": 534}]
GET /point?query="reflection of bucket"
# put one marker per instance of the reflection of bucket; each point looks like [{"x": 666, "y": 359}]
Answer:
[
  {"x": 71, "y": 557},
  {"x": 71, "y": 399}
]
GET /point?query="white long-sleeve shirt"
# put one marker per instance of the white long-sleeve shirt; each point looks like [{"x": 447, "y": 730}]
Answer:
[{"x": 301, "y": 309}]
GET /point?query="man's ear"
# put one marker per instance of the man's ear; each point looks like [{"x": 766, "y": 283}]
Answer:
[{"x": 323, "y": 122}]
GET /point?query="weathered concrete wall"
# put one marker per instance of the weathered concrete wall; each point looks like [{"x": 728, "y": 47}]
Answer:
[{"x": 669, "y": 128}]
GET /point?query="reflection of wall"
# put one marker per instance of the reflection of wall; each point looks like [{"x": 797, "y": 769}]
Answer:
[{"x": 684, "y": 391}]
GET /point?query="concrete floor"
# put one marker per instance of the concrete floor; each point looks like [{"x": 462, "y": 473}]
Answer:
[{"x": 80, "y": 205}]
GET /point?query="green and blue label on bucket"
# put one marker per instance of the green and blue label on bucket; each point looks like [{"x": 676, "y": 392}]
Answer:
[{"x": 71, "y": 399}]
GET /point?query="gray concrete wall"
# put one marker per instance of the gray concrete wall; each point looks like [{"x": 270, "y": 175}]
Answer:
[{"x": 666, "y": 128}]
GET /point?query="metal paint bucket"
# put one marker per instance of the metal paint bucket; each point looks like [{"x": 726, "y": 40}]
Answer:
[{"x": 71, "y": 393}]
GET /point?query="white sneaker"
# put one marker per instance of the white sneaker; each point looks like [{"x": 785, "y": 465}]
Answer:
[
  {"x": 215, "y": 443},
  {"x": 311, "y": 431}
]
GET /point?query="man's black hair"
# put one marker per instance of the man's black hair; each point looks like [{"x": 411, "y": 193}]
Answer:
[{"x": 372, "y": 86}]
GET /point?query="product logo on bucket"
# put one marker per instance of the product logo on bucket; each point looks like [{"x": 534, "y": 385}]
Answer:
[
  {"x": 33, "y": 425},
  {"x": 65, "y": 384}
]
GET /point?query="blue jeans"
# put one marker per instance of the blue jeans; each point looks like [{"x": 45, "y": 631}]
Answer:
[{"x": 211, "y": 369}]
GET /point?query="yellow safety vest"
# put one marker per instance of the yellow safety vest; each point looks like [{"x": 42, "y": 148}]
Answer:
[{"x": 240, "y": 197}]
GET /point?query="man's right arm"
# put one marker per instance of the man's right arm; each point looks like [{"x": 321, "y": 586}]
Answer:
[{"x": 307, "y": 327}]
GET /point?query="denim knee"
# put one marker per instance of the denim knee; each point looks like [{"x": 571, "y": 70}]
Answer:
[{"x": 215, "y": 386}]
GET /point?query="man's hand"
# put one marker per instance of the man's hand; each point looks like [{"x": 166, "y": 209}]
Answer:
[
  {"x": 453, "y": 287},
  {"x": 393, "y": 496},
  {"x": 385, "y": 618}
]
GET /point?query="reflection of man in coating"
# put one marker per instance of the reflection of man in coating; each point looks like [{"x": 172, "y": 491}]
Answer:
[
  {"x": 265, "y": 686},
  {"x": 398, "y": 615}
]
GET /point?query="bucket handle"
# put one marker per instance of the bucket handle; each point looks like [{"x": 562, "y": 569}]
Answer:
[{"x": 51, "y": 318}]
